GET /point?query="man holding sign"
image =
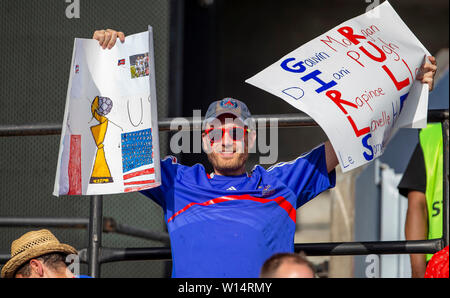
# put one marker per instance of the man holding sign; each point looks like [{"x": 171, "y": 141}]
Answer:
[{"x": 227, "y": 223}]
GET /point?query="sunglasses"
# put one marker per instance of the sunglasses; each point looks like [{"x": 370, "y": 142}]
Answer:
[{"x": 235, "y": 133}]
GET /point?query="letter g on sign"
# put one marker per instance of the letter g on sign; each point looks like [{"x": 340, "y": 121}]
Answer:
[{"x": 296, "y": 68}]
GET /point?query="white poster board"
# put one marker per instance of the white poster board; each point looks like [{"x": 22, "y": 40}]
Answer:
[
  {"x": 357, "y": 81},
  {"x": 109, "y": 140}
]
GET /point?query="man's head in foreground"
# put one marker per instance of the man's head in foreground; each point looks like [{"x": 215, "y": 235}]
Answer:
[
  {"x": 287, "y": 265},
  {"x": 227, "y": 136},
  {"x": 38, "y": 254}
]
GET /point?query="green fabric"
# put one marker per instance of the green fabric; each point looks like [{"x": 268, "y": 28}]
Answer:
[{"x": 432, "y": 146}]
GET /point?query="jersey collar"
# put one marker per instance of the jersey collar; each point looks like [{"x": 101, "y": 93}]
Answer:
[{"x": 213, "y": 175}]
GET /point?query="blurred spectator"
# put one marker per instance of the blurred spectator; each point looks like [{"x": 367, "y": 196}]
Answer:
[
  {"x": 287, "y": 265},
  {"x": 38, "y": 254},
  {"x": 438, "y": 265},
  {"x": 422, "y": 184}
]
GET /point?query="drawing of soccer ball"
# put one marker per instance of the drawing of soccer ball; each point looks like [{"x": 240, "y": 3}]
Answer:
[{"x": 105, "y": 105}]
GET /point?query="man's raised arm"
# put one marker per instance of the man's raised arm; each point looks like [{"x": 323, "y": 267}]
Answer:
[{"x": 330, "y": 155}]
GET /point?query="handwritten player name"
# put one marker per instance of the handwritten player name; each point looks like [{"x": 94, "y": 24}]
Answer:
[
  {"x": 384, "y": 119},
  {"x": 300, "y": 67},
  {"x": 367, "y": 96}
]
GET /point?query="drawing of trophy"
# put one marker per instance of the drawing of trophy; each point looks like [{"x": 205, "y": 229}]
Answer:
[{"x": 100, "y": 107}]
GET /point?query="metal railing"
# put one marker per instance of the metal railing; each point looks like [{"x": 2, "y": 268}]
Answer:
[{"x": 95, "y": 254}]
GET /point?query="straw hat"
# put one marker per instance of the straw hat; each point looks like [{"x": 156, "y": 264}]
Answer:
[{"x": 32, "y": 245}]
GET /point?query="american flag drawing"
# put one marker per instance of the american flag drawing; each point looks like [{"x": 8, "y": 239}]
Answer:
[
  {"x": 121, "y": 62},
  {"x": 137, "y": 160}
]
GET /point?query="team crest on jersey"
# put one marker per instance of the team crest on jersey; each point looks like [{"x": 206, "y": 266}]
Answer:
[
  {"x": 267, "y": 191},
  {"x": 228, "y": 103}
]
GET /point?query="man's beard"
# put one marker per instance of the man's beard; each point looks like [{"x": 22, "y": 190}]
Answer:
[{"x": 228, "y": 167}]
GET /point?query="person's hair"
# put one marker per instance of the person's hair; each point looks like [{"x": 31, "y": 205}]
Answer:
[
  {"x": 272, "y": 264},
  {"x": 52, "y": 260}
]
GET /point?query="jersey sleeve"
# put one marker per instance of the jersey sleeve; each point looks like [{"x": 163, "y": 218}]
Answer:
[
  {"x": 306, "y": 176},
  {"x": 169, "y": 170},
  {"x": 414, "y": 177}
]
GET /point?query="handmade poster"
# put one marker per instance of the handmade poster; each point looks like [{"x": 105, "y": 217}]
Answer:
[
  {"x": 357, "y": 81},
  {"x": 109, "y": 140}
]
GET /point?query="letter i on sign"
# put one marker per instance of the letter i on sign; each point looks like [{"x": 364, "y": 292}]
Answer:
[{"x": 314, "y": 75}]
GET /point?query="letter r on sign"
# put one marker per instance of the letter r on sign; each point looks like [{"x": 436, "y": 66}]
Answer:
[{"x": 348, "y": 32}]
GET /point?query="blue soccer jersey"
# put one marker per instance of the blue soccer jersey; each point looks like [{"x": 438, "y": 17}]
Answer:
[{"x": 227, "y": 226}]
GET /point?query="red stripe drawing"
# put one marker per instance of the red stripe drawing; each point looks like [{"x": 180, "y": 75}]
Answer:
[
  {"x": 74, "y": 168},
  {"x": 139, "y": 182},
  {"x": 139, "y": 173},
  {"x": 129, "y": 189}
]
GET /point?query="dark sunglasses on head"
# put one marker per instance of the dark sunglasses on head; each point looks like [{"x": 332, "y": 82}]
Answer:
[{"x": 235, "y": 133}]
